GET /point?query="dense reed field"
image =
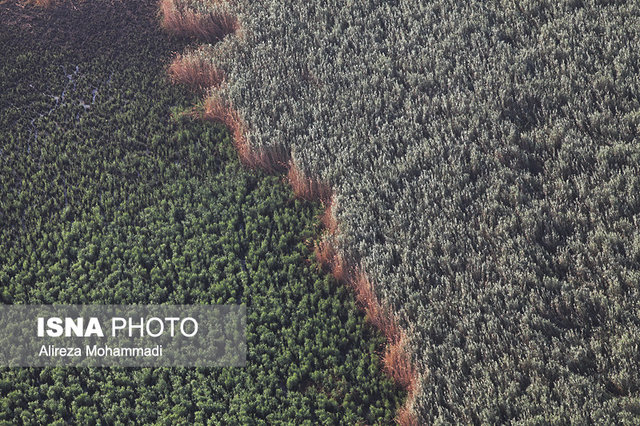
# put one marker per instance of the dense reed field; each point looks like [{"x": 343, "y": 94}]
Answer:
[
  {"x": 480, "y": 166},
  {"x": 109, "y": 194}
]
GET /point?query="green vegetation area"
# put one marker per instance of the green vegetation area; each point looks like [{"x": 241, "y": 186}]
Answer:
[
  {"x": 109, "y": 196},
  {"x": 485, "y": 159}
]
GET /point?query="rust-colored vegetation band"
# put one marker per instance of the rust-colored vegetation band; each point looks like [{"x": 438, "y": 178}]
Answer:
[
  {"x": 211, "y": 26},
  {"x": 195, "y": 71},
  {"x": 271, "y": 160},
  {"x": 305, "y": 187},
  {"x": 200, "y": 74},
  {"x": 396, "y": 358}
]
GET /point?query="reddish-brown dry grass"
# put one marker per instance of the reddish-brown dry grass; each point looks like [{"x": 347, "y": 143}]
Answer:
[
  {"x": 271, "y": 160},
  {"x": 209, "y": 27},
  {"x": 195, "y": 72},
  {"x": 328, "y": 217},
  {"x": 397, "y": 364},
  {"x": 406, "y": 416},
  {"x": 395, "y": 359},
  {"x": 217, "y": 110},
  {"x": 377, "y": 314},
  {"x": 305, "y": 187},
  {"x": 329, "y": 260}
]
